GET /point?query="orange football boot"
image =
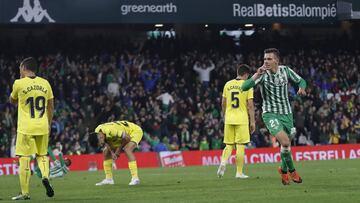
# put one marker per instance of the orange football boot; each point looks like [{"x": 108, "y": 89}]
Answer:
[
  {"x": 284, "y": 177},
  {"x": 295, "y": 177}
]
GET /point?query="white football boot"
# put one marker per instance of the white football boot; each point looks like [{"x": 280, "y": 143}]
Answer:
[
  {"x": 105, "y": 182},
  {"x": 221, "y": 171},
  {"x": 241, "y": 176},
  {"x": 134, "y": 181}
]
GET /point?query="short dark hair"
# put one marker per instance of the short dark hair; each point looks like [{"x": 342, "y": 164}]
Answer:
[
  {"x": 275, "y": 51},
  {"x": 30, "y": 64},
  {"x": 93, "y": 140},
  {"x": 242, "y": 69}
]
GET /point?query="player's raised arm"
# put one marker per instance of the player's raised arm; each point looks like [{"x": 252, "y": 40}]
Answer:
[
  {"x": 255, "y": 79},
  {"x": 51, "y": 154},
  {"x": 61, "y": 159}
]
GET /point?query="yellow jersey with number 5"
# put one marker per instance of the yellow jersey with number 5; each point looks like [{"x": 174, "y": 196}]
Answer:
[
  {"x": 32, "y": 95},
  {"x": 236, "y": 112}
]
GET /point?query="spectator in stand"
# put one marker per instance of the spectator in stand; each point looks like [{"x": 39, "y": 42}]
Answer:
[
  {"x": 204, "y": 69},
  {"x": 149, "y": 78},
  {"x": 216, "y": 142},
  {"x": 166, "y": 100},
  {"x": 204, "y": 144}
]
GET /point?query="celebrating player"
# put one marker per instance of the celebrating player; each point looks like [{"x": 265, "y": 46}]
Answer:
[
  {"x": 277, "y": 115},
  {"x": 115, "y": 137},
  {"x": 236, "y": 105},
  {"x": 34, "y": 97}
]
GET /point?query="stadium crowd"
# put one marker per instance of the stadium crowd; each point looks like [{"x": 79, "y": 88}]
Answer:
[{"x": 172, "y": 88}]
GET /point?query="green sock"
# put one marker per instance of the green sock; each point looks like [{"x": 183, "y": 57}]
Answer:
[
  {"x": 284, "y": 167},
  {"x": 288, "y": 160}
]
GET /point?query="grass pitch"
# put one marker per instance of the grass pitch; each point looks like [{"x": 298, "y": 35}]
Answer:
[{"x": 323, "y": 181}]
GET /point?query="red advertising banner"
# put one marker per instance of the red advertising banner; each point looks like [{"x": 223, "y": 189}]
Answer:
[
  {"x": 272, "y": 155},
  {"x": 88, "y": 162},
  {"x": 171, "y": 159},
  {"x": 93, "y": 162}
]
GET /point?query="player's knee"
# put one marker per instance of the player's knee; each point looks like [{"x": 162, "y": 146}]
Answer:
[
  {"x": 130, "y": 155},
  {"x": 39, "y": 156},
  {"x": 292, "y": 132},
  {"x": 107, "y": 154},
  {"x": 24, "y": 157},
  {"x": 24, "y": 161},
  {"x": 128, "y": 150},
  {"x": 130, "y": 146},
  {"x": 285, "y": 148},
  {"x": 285, "y": 144},
  {"x": 229, "y": 146}
]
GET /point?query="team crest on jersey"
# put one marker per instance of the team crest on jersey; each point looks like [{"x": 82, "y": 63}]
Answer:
[{"x": 279, "y": 80}]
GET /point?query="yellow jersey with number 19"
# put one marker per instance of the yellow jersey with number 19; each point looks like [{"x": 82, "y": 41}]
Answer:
[
  {"x": 236, "y": 112},
  {"x": 32, "y": 95}
]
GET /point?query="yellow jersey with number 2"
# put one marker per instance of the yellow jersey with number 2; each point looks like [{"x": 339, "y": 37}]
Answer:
[{"x": 114, "y": 131}]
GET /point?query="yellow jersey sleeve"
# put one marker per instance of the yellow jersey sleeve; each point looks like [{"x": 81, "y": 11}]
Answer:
[
  {"x": 224, "y": 91},
  {"x": 50, "y": 94},
  {"x": 250, "y": 94},
  {"x": 98, "y": 128},
  {"x": 15, "y": 90},
  {"x": 101, "y": 128}
]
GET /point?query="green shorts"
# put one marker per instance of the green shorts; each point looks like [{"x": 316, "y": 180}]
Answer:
[{"x": 277, "y": 122}]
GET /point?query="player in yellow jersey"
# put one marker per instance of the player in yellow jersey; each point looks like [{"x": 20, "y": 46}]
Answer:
[
  {"x": 34, "y": 98},
  {"x": 115, "y": 137},
  {"x": 237, "y": 107}
]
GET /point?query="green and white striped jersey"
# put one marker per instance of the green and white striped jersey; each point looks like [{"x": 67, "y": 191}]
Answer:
[
  {"x": 274, "y": 89},
  {"x": 58, "y": 170}
]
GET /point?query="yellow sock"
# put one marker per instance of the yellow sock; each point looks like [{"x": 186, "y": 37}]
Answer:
[
  {"x": 240, "y": 153},
  {"x": 43, "y": 163},
  {"x": 24, "y": 174},
  {"x": 226, "y": 154},
  {"x": 133, "y": 169},
  {"x": 108, "y": 168}
]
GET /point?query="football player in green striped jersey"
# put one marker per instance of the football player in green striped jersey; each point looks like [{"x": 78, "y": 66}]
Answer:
[
  {"x": 276, "y": 110},
  {"x": 59, "y": 168}
]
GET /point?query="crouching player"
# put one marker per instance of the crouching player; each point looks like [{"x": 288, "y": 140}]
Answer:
[{"x": 115, "y": 137}]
